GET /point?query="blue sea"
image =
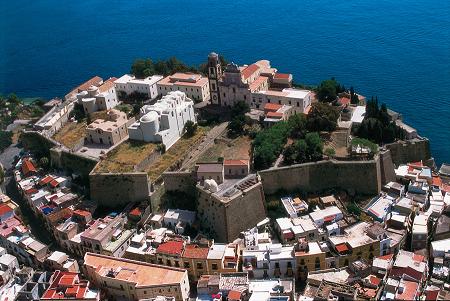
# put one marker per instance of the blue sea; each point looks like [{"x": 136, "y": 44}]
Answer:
[{"x": 398, "y": 50}]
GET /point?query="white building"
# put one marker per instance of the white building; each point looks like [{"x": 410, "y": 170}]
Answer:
[
  {"x": 299, "y": 100},
  {"x": 163, "y": 121},
  {"x": 327, "y": 215},
  {"x": 440, "y": 247},
  {"x": 99, "y": 98},
  {"x": 129, "y": 84},
  {"x": 178, "y": 219},
  {"x": 265, "y": 260}
]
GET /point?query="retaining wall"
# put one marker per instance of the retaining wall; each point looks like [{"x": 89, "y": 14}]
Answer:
[
  {"x": 112, "y": 190},
  {"x": 363, "y": 177},
  {"x": 412, "y": 150}
]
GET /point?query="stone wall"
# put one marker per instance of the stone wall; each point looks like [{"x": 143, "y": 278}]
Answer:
[
  {"x": 112, "y": 190},
  {"x": 226, "y": 219},
  {"x": 37, "y": 143},
  {"x": 245, "y": 211},
  {"x": 410, "y": 151},
  {"x": 363, "y": 177},
  {"x": 71, "y": 161},
  {"x": 182, "y": 181}
]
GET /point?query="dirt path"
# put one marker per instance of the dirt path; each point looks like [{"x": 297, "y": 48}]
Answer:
[{"x": 204, "y": 145}]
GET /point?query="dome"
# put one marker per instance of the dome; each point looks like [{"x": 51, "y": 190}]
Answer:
[
  {"x": 213, "y": 55},
  {"x": 150, "y": 116}
]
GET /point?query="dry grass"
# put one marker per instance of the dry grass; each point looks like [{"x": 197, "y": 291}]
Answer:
[
  {"x": 238, "y": 148},
  {"x": 71, "y": 133},
  {"x": 125, "y": 156},
  {"x": 177, "y": 152}
]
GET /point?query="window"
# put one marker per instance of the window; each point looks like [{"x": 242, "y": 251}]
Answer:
[
  {"x": 277, "y": 265},
  {"x": 186, "y": 265},
  {"x": 214, "y": 266},
  {"x": 199, "y": 266},
  {"x": 234, "y": 90}
]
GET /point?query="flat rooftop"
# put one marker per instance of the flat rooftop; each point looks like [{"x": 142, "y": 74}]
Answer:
[{"x": 141, "y": 273}]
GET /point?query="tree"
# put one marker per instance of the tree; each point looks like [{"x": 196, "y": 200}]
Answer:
[
  {"x": 297, "y": 124},
  {"x": 240, "y": 108},
  {"x": 44, "y": 162},
  {"x": 5, "y": 140},
  {"x": 142, "y": 68},
  {"x": 328, "y": 90},
  {"x": 2, "y": 175},
  {"x": 315, "y": 146},
  {"x": 236, "y": 126},
  {"x": 354, "y": 99},
  {"x": 190, "y": 128},
  {"x": 322, "y": 117}
]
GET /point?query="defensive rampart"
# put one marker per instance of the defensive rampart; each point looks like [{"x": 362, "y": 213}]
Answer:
[{"x": 363, "y": 177}]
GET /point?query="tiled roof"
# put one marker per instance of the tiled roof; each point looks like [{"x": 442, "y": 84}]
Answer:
[
  {"x": 234, "y": 295},
  {"x": 342, "y": 248},
  {"x": 171, "y": 247},
  {"x": 45, "y": 180},
  {"x": 136, "y": 211},
  {"x": 27, "y": 167},
  {"x": 247, "y": 72},
  {"x": 272, "y": 107},
  {"x": 282, "y": 75},
  {"x": 4, "y": 209},
  {"x": 236, "y": 162},
  {"x": 196, "y": 252}
]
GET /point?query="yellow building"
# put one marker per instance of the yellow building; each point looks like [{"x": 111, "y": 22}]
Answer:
[
  {"x": 133, "y": 280},
  {"x": 309, "y": 257},
  {"x": 223, "y": 258}
]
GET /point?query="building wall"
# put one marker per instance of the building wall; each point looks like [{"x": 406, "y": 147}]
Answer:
[
  {"x": 245, "y": 211},
  {"x": 150, "y": 90},
  {"x": 366, "y": 252},
  {"x": 259, "y": 100},
  {"x": 193, "y": 92},
  {"x": 309, "y": 262},
  {"x": 119, "y": 189},
  {"x": 361, "y": 176},
  {"x": 211, "y": 213},
  {"x": 99, "y": 136}
]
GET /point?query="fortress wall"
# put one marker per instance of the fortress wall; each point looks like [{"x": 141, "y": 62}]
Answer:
[
  {"x": 112, "y": 190},
  {"x": 410, "y": 151},
  {"x": 179, "y": 181},
  {"x": 363, "y": 177},
  {"x": 245, "y": 212}
]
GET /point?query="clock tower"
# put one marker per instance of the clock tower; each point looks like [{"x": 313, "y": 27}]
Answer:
[{"x": 214, "y": 75}]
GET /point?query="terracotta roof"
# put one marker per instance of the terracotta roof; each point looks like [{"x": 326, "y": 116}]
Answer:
[
  {"x": 27, "y": 167},
  {"x": 374, "y": 280},
  {"x": 344, "y": 100},
  {"x": 171, "y": 247},
  {"x": 108, "y": 84},
  {"x": 195, "y": 252},
  {"x": 234, "y": 295},
  {"x": 419, "y": 258},
  {"x": 45, "y": 180},
  {"x": 31, "y": 190},
  {"x": 137, "y": 273},
  {"x": 236, "y": 162},
  {"x": 82, "y": 212},
  {"x": 386, "y": 257},
  {"x": 136, "y": 211},
  {"x": 416, "y": 164},
  {"x": 247, "y": 72},
  {"x": 282, "y": 75},
  {"x": 437, "y": 181},
  {"x": 4, "y": 209},
  {"x": 272, "y": 107},
  {"x": 342, "y": 248},
  {"x": 54, "y": 183},
  {"x": 409, "y": 291},
  {"x": 95, "y": 81}
]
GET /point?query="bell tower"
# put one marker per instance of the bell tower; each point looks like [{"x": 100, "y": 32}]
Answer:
[{"x": 214, "y": 74}]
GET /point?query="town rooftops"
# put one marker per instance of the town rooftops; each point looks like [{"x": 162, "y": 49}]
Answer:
[
  {"x": 67, "y": 285},
  {"x": 135, "y": 272},
  {"x": 171, "y": 247},
  {"x": 127, "y": 78}
]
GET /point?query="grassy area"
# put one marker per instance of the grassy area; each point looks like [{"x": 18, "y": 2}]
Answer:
[
  {"x": 238, "y": 148},
  {"x": 178, "y": 151},
  {"x": 124, "y": 157},
  {"x": 364, "y": 142},
  {"x": 71, "y": 133}
]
